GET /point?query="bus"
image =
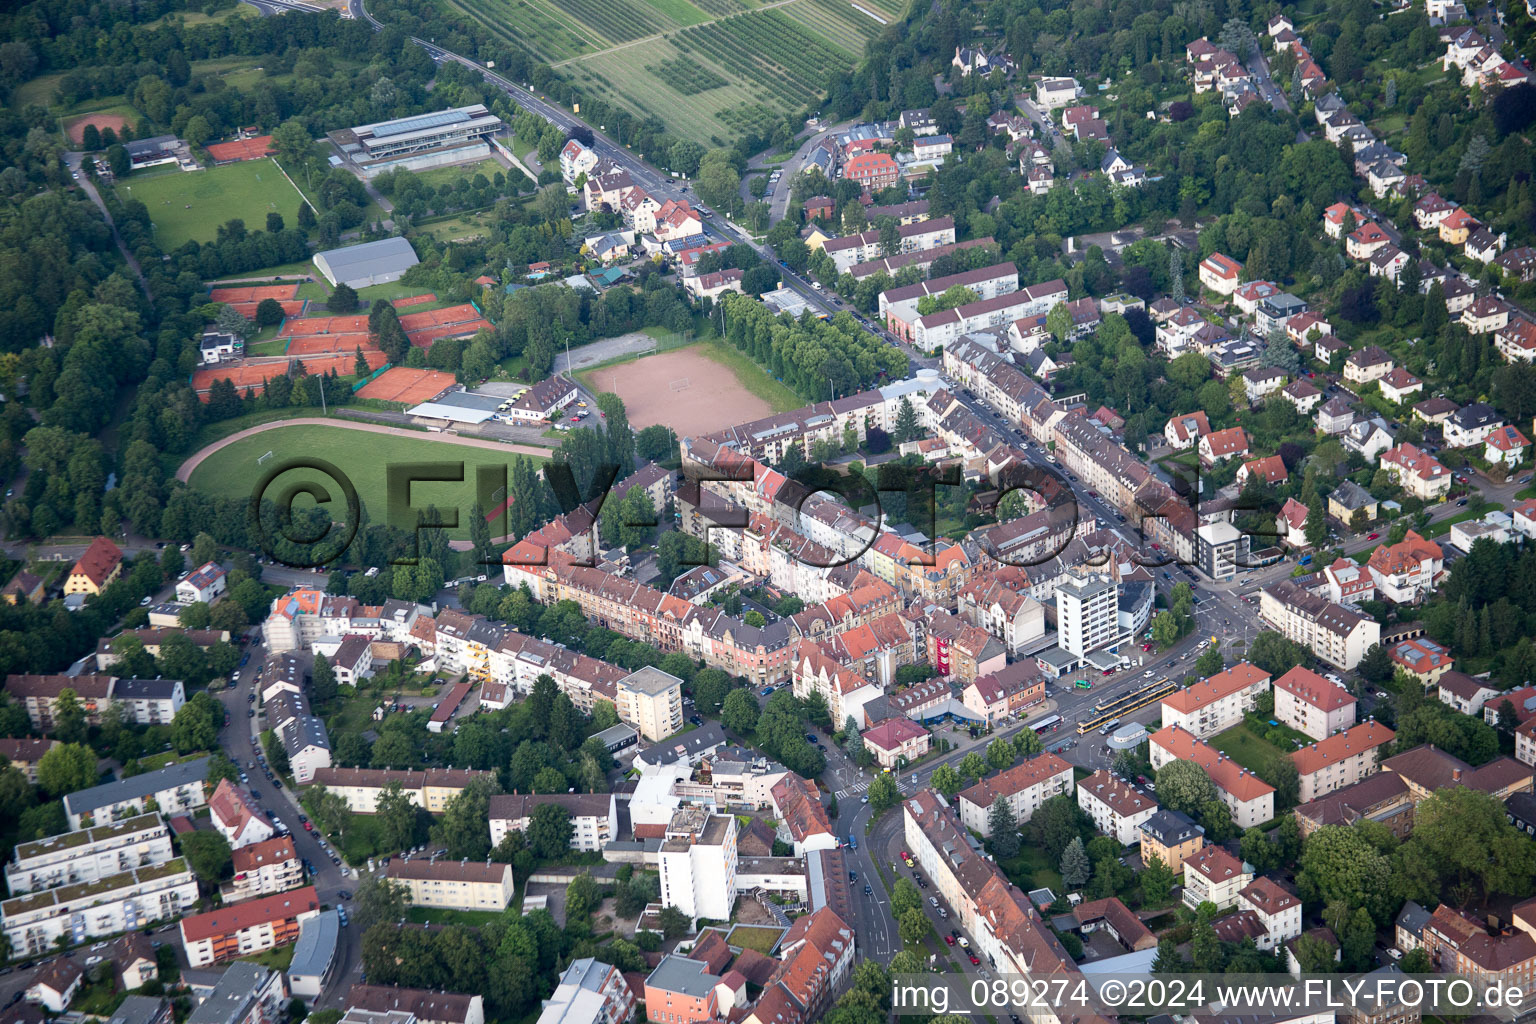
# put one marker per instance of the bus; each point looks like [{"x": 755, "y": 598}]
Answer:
[{"x": 1046, "y": 724}]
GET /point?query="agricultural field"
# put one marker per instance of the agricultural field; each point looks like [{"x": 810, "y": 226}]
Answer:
[
  {"x": 190, "y": 205},
  {"x": 739, "y": 73}
]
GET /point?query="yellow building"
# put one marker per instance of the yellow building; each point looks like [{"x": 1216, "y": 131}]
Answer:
[
  {"x": 454, "y": 884},
  {"x": 99, "y": 566}
]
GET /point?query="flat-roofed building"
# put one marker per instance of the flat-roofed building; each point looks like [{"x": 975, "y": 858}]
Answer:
[
  {"x": 314, "y": 955},
  {"x": 421, "y": 141},
  {"x": 367, "y": 264},
  {"x": 89, "y": 854},
  {"x": 453, "y": 884},
  {"x": 652, "y": 701},
  {"x": 88, "y": 910},
  {"x": 698, "y": 863},
  {"x": 246, "y": 993}
]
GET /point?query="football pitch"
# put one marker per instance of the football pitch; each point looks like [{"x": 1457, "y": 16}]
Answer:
[
  {"x": 365, "y": 458},
  {"x": 189, "y": 206}
]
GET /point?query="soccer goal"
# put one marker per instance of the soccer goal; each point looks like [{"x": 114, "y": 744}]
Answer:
[
  {"x": 263, "y": 458},
  {"x": 681, "y": 384}
]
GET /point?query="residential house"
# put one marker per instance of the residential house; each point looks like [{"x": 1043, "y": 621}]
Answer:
[
  {"x": 1219, "y": 273},
  {"x": 1117, "y": 808},
  {"x": 101, "y": 563},
  {"x": 1308, "y": 703},
  {"x": 1023, "y": 788},
  {"x": 1214, "y": 876},
  {"x": 1341, "y": 759}
]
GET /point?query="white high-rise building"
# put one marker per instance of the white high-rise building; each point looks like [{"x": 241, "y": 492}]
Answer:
[
  {"x": 698, "y": 863},
  {"x": 1086, "y": 613}
]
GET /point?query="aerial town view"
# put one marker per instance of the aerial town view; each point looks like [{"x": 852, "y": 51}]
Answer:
[{"x": 767, "y": 511}]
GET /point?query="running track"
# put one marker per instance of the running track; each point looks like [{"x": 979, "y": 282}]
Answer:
[{"x": 184, "y": 474}]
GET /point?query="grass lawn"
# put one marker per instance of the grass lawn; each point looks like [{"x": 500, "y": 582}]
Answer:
[
  {"x": 1030, "y": 870},
  {"x": 390, "y": 292},
  {"x": 363, "y": 455},
  {"x": 1443, "y": 526},
  {"x": 439, "y": 176},
  {"x": 38, "y": 92},
  {"x": 756, "y": 937},
  {"x": 469, "y": 225},
  {"x": 299, "y": 269},
  {"x": 1245, "y": 746},
  {"x": 189, "y": 206},
  {"x": 277, "y": 959},
  {"x": 438, "y": 915}
]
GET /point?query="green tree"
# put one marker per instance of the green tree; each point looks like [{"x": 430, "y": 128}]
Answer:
[
  {"x": 464, "y": 828},
  {"x": 395, "y": 813},
  {"x": 378, "y": 900},
  {"x": 947, "y": 781},
  {"x": 67, "y": 768},
  {"x": 1275, "y": 654},
  {"x": 972, "y": 767},
  {"x": 207, "y": 854},
  {"x": 550, "y": 831},
  {"x": 1184, "y": 786},
  {"x": 1340, "y": 865},
  {"x": 196, "y": 725},
  {"x": 914, "y": 927},
  {"x": 739, "y": 712},
  {"x": 883, "y": 794},
  {"x": 1464, "y": 835},
  {"x": 1000, "y": 754},
  {"x": 1027, "y": 744},
  {"x": 904, "y": 897},
  {"x": 1004, "y": 827},
  {"x": 1074, "y": 864},
  {"x": 1209, "y": 663}
]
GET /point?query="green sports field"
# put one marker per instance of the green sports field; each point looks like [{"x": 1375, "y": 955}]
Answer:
[
  {"x": 364, "y": 456},
  {"x": 188, "y": 206}
]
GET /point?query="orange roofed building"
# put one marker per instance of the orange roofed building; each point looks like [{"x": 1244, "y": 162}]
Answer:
[
  {"x": 1218, "y": 703},
  {"x": 99, "y": 566},
  {"x": 246, "y": 928},
  {"x": 1340, "y": 760},
  {"x": 1250, "y": 799}
]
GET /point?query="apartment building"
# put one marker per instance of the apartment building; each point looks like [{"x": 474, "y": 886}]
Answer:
[
  {"x": 89, "y": 855},
  {"x": 1420, "y": 474},
  {"x": 242, "y": 929},
  {"x": 1460, "y": 944},
  {"x": 97, "y": 568},
  {"x": 39, "y": 693},
  {"x": 131, "y": 899},
  {"x": 265, "y": 868},
  {"x": 1467, "y": 694},
  {"x": 430, "y": 789},
  {"x": 698, "y": 863},
  {"x": 237, "y": 817},
  {"x": 376, "y": 1004},
  {"x": 174, "y": 789},
  {"x": 1214, "y": 876},
  {"x": 1216, "y": 704},
  {"x": 864, "y": 247},
  {"x": 1008, "y": 691},
  {"x": 1408, "y": 571},
  {"x": 1117, "y": 808},
  {"x": 652, "y": 701},
  {"x": 1170, "y": 837},
  {"x": 1023, "y": 787},
  {"x": 1382, "y": 797},
  {"x": 23, "y": 753},
  {"x": 589, "y": 992},
  {"x": 246, "y": 993},
  {"x": 453, "y": 884},
  {"x": 1087, "y": 614},
  {"x": 896, "y": 742},
  {"x": 149, "y": 701},
  {"x": 1250, "y": 799},
  {"x": 845, "y": 690},
  {"x": 1334, "y": 633},
  {"x": 1307, "y": 702},
  {"x": 682, "y": 990},
  {"x": 1275, "y": 909},
  {"x": 1342, "y": 759},
  {"x": 594, "y": 816},
  {"x": 1421, "y": 658}
]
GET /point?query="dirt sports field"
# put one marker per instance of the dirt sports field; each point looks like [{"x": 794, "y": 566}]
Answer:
[
  {"x": 653, "y": 390},
  {"x": 75, "y": 127}
]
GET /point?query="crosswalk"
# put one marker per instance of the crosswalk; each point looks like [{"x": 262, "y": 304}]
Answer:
[{"x": 853, "y": 790}]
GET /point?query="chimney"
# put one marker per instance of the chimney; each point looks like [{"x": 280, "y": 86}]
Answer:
[{"x": 1455, "y": 774}]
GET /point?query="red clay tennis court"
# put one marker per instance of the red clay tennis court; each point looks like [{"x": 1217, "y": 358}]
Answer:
[
  {"x": 402, "y": 384},
  {"x": 320, "y": 344},
  {"x": 241, "y": 149},
  {"x": 460, "y": 314},
  {"x": 426, "y": 336},
  {"x": 254, "y": 293},
  {"x": 252, "y": 375},
  {"x": 414, "y": 300},
  {"x": 291, "y": 307},
  {"x": 305, "y": 326}
]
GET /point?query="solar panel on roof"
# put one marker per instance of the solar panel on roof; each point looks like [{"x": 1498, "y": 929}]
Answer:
[{"x": 415, "y": 124}]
